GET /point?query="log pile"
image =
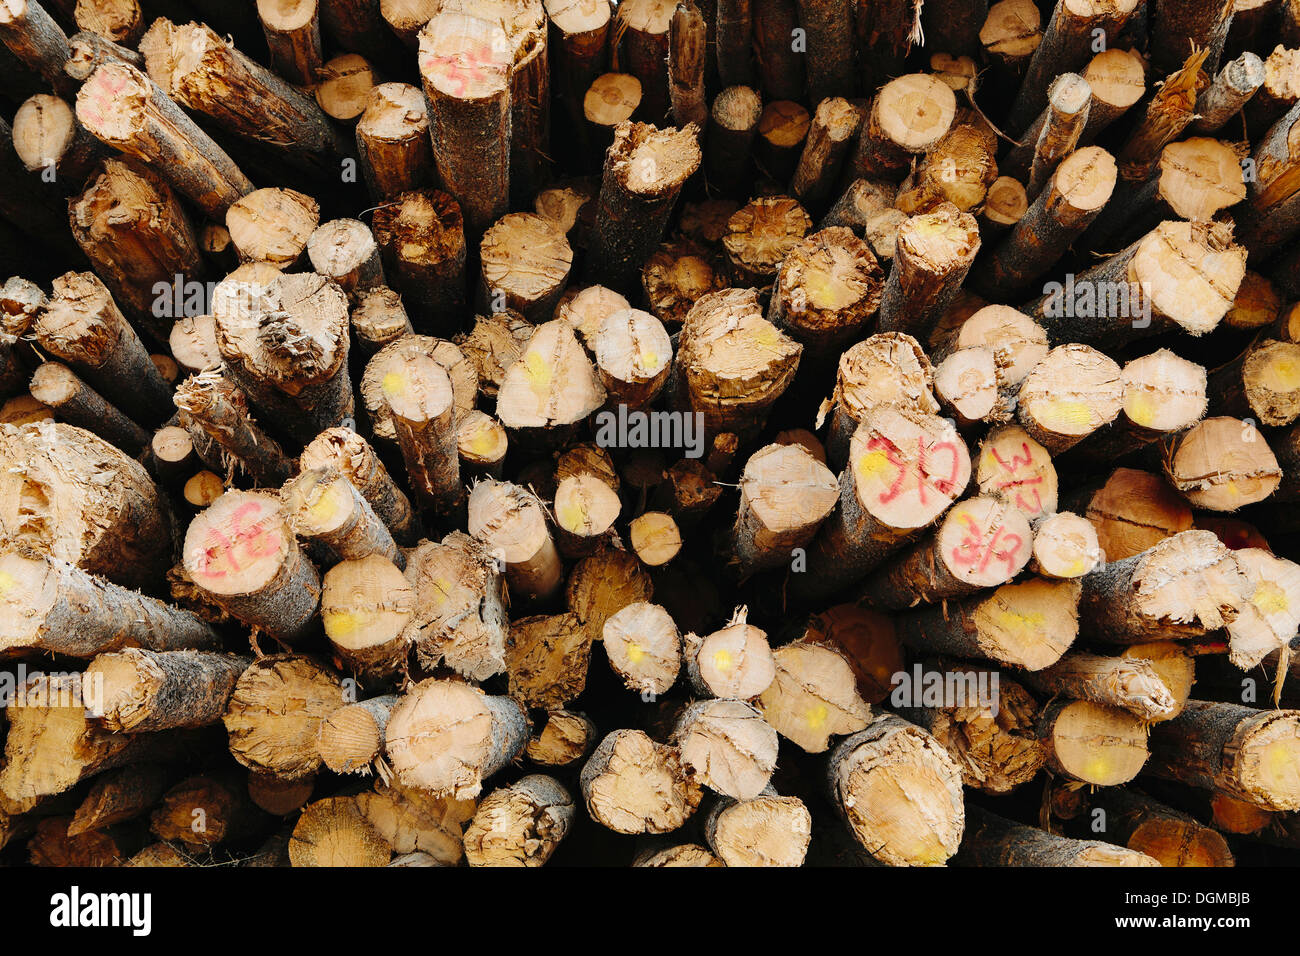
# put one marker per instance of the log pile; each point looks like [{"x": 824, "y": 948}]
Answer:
[{"x": 663, "y": 433}]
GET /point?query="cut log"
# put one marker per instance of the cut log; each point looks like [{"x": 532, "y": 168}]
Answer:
[
  {"x": 525, "y": 263},
  {"x": 631, "y": 784},
  {"x": 826, "y": 290},
  {"x": 346, "y": 451},
  {"x": 219, "y": 410},
  {"x": 729, "y": 141},
  {"x": 366, "y": 607},
  {"x": 76, "y": 403},
  {"x": 422, "y": 238},
  {"x": 765, "y": 830},
  {"x": 829, "y": 136},
  {"x": 352, "y": 737},
  {"x": 1220, "y": 464},
  {"x": 899, "y": 792},
  {"x": 643, "y": 647},
  {"x": 564, "y": 738},
  {"x": 275, "y": 713},
  {"x": 908, "y": 117},
  {"x": 813, "y": 696},
  {"x": 393, "y": 144},
  {"x": 422, "y": 406},
  {"x": 511, "y": 523},
  {"x": 1093, "y": 743},
  {"x": 334, "y": 832},
  {"x": 546, "y": 659},
  {"x": 145, "y": 690},
  {"x": 1136, "y": 821},
  {"x": 1073, "y": 392},
  {"x": 734, "y": 662},
  {"x": 932, "y": 255},
  {"x": 1229, "y": 93},
  {"x": 520, "y": 825},
  {"x": 992, "y": 840}
]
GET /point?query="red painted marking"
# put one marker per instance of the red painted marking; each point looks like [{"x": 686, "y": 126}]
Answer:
[
  {"x": 250, "y": 542},
  {"x": 924, "y": 477},
  {"x": 974, "y": 550},
  {"x": 1011, "y": 467}
]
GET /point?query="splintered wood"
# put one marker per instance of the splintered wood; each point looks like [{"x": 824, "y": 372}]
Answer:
[{"x": 655, "y": 433}]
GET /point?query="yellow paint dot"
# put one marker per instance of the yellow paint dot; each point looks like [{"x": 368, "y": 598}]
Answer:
[
  {"x": 571, "y": 516},
  {"x": 634, "y": 652},
  {"x": 481, "y": 443},
  {"x": 1142, "y": 410},
  {"x": 539, "y": 371},
  {"x": 1061, "y": 411},
  {"x": 339, "y": 623},
  {"x": 323, "y": 508},
  {"x": 441, "y": 588},
  {"x": 1270, "y": 598},
  {"x": 394, "y": 384},
  {"x": 767, "y": 336},
  {"x": 6, "y": 582},
  {"x": 872, "y": 464},
  {"x": 1076, "y": 566},
  {"x": 722, "y": 660},
  {"x": 816, "y": 716},
  {"x": 649, "y": 360}
]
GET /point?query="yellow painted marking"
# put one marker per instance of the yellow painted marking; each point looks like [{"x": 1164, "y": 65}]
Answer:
[
  {"x": 6, "y": 582},
  {"x": 322, "y": 509},
  {"x": 481, "y": 443},
  {"x": 1014, "y": 622},
  {"x": 394, "y": 384},
  {"x": 441, "y": 588},
  {"x": 572, "y": 515},
  {"x": 634, "y": 652},
  {"x": 816, "y": 716},
  {"x": 1097, "y": 767},
  {"x": 1287, "y": 374},
  {"x": 649, "y": 360},
  {"x": 722, "y": 660},
  {"x": 1063, "y": 411},
  {"x": 767, "y": 336},
  {"x": 539, "y": 371},
  {"x": 1270, "y": 598},
  {"x": 872, "y": 464},
  {"x": 1142, "y": 410},
  {"x": 339, "y": 623},
  {"x": 1077, "y": 566}
]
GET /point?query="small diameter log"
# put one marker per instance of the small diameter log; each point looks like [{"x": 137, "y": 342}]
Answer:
[
  {"x": 577, "y": 45},
  {"x": 569, "y": 205},
  {"x": 525, "y": 264},
  {"x": 352, "y": 737},
  {"x": 76, "y": 403},
  {"x": 905, "y": 468},
  {"x": 689, "y": 38},
  {"x": 220, "y": 410},
  {"x": 981, "y": 543},
  {"x": 49, "y": 605},
  {"x": 422, "y": 405},
  {"x": 828, "y": 26},
  {"x": 81, "y": 325},
  {"x": 827, "y": 288},
  {"x": 173, "y": 454},
  {"x": 1069, "y": 395},
  {"x": 244, "y": 557},
  {"x": 833, "y": 126},
  {"x": 344, "y": 86},
  {"x": 520, "y": 825},
  {"x": 1239, "y": 751},
  {"x": 200, "y": 70},
  {"x": 1130, "y": 684},
  {"x": 547, "y": 659},
  {"x": 1279, "y": 92},
  {"x": 885, "y": 369},
  {"x": 631, "y": 784},
  {"x": 1262, "y": 384},
  {"x": 759, "y": 235},
  {"x": 366, "y": 605},
  {"x": 481, "y": 442},
  {"x": 511, "y": 523},
  {"x": 643, "y": 173},
  {"x": 908, "y": 117},
  {"x": 118, "y": 796},
  {"x": 1072, "y": 199},
  {"x": 1054, "y": 135},
  {"x": 1011, "y": 33},
  {"x": 565, "y": 738},
  {"x": 50, "y": 141},
  {"x": 1183, "y": 587},
  {"x": 731, "y": 363},
  {"x": 460, "y": 617},
  {"x": 1258, "y": 304},
  {"x": 206, "y": 810},
  {"x": 334, "y": 832},
  {"x": 1068, "y": 42},
  {"x": 765, "y": 830},
  {"x": 193, "y": 341},
  {"x": 604, "y": 583},
  {"x": 785, "y": 494},
  {"x": 642, "y": 30},
  {"x": 1136, "y": 821},
  {"x": 69, "y": 494},
  {"x": 417, "y": 822},
  {"x": 727, "y": 746},
  {"x": 378, "y": 319},
  {"x": 1163, "y": 394},
  {"x": 958, "y": 169},
  {"x": 123, "y": 108},
  {"x": 393, "y": 145},
  {"x": 144, "y": 690},
  {"x": 633, "y": 357},
  {"x": 35, "y": 39},
  {"x": 349, "y": 453},
  {"x": 1118, "y": 80},
  {"x": 813, "y": 696},
  {"x": 900, "y": 793},
  {"x": 285, "y": 340},
  {"x": 1093, "y": 743},
  {"x": 782, "y": 130},
  {"x": 735, "y": 662},
  {"x": 345, "y": 250},
  {"x": 585, "y": 510},
  {"x": 465, "y": 66},
  {"x": 87, "y": 50},
  {"x": 1221, "y": 464},
  {"x": 655, "y": 538},
  {"x": 586, "y": 309},
  {"x": 1177, "y": 27},
  {"x": 644, "y": 647},
  {"x": 273, "y": 225},
  {"x": 551, "y": 387},
  {"x": 448, "y": 737},
  {"x": 729, "y": 141},
  {"x": 292, "y": 30},
  {"x": 1229, "y": 93},
  {"x": 1173, "y": 664},
  {"x": 992, "y": 741},
  {"x": 611, "y": 99},
  {"x": 422, "y": 238},
  {"x": 1065, "y": 546},
  {"x": 203, "y": 488},
  {"x": 1028, "y": 624},
  {"x": 275, "y": 713},
  {"x": 966, "y": 383},
  {"x": 1005, "y": 204},
  {"x": 932, "y": 255},
  {"x": 991, "y": 840},
  {"x": 1268, "y": 216}
]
